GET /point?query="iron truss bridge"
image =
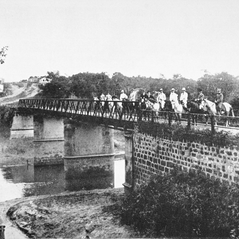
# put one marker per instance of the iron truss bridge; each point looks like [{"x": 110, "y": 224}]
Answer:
[{"x": 118, "y": 114}]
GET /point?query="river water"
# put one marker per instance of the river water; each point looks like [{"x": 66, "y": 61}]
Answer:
[{"x": 17, "y": 181}]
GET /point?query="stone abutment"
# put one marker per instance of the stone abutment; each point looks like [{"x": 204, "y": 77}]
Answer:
[{"x": 155, "y": 155}]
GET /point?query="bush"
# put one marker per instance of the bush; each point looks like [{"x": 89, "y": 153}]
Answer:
[
  {"x": 6, "y": 115},
  {"x": 180, "y": 133},
  {"x": 183, "y": 204}
]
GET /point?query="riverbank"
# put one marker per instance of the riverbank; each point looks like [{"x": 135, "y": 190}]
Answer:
[{"x": 70, "y": 215}]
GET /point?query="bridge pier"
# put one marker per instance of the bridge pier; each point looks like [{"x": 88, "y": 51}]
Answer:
[
  {"x": 22, "y": 127},
  {"x": 48, "y": 140},
  {"x": 89, "y": 155},
  {"x": 129, "y": 184}
]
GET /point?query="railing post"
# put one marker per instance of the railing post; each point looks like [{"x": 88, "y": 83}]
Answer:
[
  {"x": 169, "y": 118},
  {"x": 139, "y": 115},
  {"x": 2, "y": 230},
  {"x": 213, "y": 124},
  {"x": 189, "y": 121}
]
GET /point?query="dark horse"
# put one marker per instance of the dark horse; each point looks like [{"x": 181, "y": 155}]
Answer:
[
  {"x": 170, "y": 112},
  {"x": 195, "y": 111}
]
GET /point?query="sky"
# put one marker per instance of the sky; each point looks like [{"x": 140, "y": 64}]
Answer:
[{"x": 133, "y": 37}]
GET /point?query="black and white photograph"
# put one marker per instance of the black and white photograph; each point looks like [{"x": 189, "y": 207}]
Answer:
[{"x": 119, "y": 119}]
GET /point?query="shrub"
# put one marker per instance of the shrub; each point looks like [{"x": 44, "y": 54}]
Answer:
[
  {"x": 180, "y": 133},
  {"x": 6, "y": 115},
  {"x": 183, "y": 204}
]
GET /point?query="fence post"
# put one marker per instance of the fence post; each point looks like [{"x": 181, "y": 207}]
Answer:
[
  {"x": 213, "y": 124},
  {"x": 189, "y": 121},
  {"x": 169, "y": 118},
  {"x": 2, "y": 229}
]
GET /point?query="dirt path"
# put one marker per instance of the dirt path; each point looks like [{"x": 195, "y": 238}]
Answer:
[{"x": 18, "y": 93}]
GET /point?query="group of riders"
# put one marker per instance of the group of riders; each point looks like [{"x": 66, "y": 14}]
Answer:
[{"x": 148, "y": 100}]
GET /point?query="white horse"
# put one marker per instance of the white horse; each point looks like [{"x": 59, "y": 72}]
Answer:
[
  {"x": 227, "y": 109},
  {"x": 155, "y": 106},
  {"x": 136, "y": 94},
  {"x": 211, "y": 108},
  {"x": 178, "y": 109}
]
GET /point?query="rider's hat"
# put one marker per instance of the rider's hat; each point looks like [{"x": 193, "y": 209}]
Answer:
[
  {"x": 122, "y": 91},
  {"x": 161, "y": 89},
  {"x": 172, "y": 89},
  {"x": 218, "y": 90},
  {"x": 183, "y": 88}
]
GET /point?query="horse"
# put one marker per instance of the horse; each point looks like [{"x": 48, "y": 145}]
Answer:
[
  {"x": 135, "y": 95},
  {"x": 194, "y": 110},
  {"x": 210, "y": 106},
  {"x": 227, "y": 109},
  {"x": 96, "y": 103},
  {"x": 117, "y": 105},
  {"x": 178, "y": 109},
  {"x": 159, "y": 106},
  {"x": 135, "y": 103},
  {"x": 174, "y": 107}
]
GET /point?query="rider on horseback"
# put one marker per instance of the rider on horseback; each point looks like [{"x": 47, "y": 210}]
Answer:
[
  {"x": 149, "y": 101},
  {"x": 200, "y": 97},
  {"x": 123, "y": 96},
  {"x": 184, "y": 98},
  {"x": 219, "y": 101},
  {"x": 102, "y": 97},
  {"x": 161, "y": 98},
  {"x": 151, "y": 98},
  {"x": 173, "y": 97},
  {"x": 108, "y": 97},
  {"x": 144, "y": 96}
]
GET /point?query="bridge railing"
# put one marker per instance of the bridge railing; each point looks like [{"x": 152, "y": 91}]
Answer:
[{"x": 122, "y": 111}]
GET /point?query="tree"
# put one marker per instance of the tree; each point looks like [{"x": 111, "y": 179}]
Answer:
[
  {"x": 57, "y": 88},
  {"x": 3, "y": 54},
  {"x": 210, "y": 83},
  {"x": 87, "y": 85}
]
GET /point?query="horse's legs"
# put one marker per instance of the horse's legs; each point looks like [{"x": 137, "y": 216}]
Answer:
[{"x": 179, "y": 116}]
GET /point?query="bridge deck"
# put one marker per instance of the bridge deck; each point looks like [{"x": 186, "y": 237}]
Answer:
[{"x": 120, "y": 114}]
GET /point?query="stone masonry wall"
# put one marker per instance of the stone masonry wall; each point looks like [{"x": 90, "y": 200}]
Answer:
[{"x": 156, "y": 155}]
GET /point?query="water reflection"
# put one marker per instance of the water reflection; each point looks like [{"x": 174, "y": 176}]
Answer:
[
  {"x": 27, "y": 180},
  {"x": 9, "y": 190}
]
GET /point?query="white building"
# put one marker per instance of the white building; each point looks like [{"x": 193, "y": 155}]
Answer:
[{"x": 44, "y": 80}]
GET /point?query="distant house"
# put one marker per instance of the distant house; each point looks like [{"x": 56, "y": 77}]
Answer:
[
  {"x": 33, "y": 79},
  {"x": 44, "y": 80}
]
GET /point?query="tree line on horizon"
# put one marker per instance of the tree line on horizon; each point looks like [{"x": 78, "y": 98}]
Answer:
[{"x": 88, "y": 85}]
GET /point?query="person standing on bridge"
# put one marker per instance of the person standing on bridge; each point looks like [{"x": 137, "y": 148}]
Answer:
[
  {"x": 173, "y": 97},
  {"x": 219, "y": 101},
  {"x": 123, "y": 96},
  {"x": 161, "y": 98},
  {"x": 184, "y": 97}
]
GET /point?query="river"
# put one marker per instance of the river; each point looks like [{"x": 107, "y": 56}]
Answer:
[{"x": 19, "y": 178}]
